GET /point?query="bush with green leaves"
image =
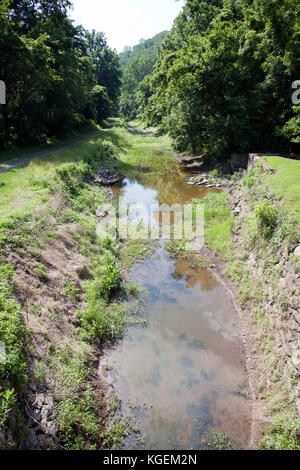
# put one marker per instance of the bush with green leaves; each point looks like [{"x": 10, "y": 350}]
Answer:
[
  {"x": 78, "y": 424},
  {"x": 8, "y": 402},
  {"x": 71, "y": 177},
  {"x": 104, "y": 153},
  {"x": 267, "y": 219}
]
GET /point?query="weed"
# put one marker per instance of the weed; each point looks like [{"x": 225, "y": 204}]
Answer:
[
  {"x": 110, "y": 278},
  {"x": 137, "y": 250},
  {"x": 219, "y": 440},
  {"x": 40, "y": 373},
  {"x": 79, "y": 427},
  {"x": 267, "y": 218},
  {"x": 8, "y": 401},
  {"x": 130, "y": 289},
  {"x": 12, "y": 331},
  {"x": 71, "y": 177},
  {"x": 40, "y": 270},
  {"x": 69, "y": 290},
  {"x": 114, "y": 436},
  {"x": 103, "y": 323}
]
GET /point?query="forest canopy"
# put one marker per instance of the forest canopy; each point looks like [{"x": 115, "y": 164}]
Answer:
[
  {"x": 219, "y": 81},
  {"x": 137, "y": 63},
  {"x": 223, "y": 78},
  {"x": 57, "y": 76}
]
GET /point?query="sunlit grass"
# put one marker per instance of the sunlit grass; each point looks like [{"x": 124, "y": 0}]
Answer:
[
  {"x": 139, "y": 151},
  {"x": 217, "y": 223},
  {"x": 285, "y": 182},
  {"x": 144, "y": 151},
  {"x": 18, "y": 195}
]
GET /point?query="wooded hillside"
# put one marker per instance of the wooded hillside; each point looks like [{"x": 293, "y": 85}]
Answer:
[{"x": 223, "y": 79}]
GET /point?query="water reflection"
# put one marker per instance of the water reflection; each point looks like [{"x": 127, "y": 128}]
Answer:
[
  {"x": 187, "y": 365},
  {"x": 193, "y": 277}
]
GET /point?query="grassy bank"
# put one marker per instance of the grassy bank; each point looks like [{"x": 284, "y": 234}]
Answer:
[
  {"x": 253, "y": 229},
  {"x": 285, "y": 183},
  {"x": 60, "y": 292},
  {"x": 257, "y": 246}
]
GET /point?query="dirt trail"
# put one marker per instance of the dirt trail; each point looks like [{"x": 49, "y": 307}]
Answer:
[{"x": 15, "y": 162}]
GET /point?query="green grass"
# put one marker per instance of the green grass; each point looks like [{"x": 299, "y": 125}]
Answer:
[
  {"x": 13, "y": 370},
  {"x": 217, "y": 223},
  {"x": 24, "y": 188},
  {"x": 285, "y": 183},
  {"x": 144, "y": 151}
]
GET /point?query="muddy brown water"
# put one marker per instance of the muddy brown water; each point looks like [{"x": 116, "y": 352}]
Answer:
[{"x": 182, "y": 377}]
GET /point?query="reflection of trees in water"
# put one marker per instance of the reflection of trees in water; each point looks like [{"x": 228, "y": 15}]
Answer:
[
  {"x": 171, "y": 187},
  {"x": 192, "y": 276}
]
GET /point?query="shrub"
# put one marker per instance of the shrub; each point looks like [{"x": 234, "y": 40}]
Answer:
[
  {"x": 7, "y": 404},
  {"x": 77, "y": 422},
  {"x": 267, "y": 217},
  {"x": 71, "y": 177},
  {"x": 105, "y": 153}
]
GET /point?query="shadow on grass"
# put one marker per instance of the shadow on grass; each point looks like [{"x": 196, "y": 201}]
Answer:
[
  {"x": 134, "y": 131},
  {"x": 87, "y": 151}
]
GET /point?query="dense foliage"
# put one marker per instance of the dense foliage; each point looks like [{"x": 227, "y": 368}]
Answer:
[
  {"x": 137, "y": 63},
  {"x": 57, "y": 76},
  {"x": 223, "y": 79}
]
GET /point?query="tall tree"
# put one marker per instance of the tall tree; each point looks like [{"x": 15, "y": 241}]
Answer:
[
  {"x": 223, "y": 77},
  {"x": 57, "y": 75},
  {"x": 106, "y": 63},
  {"x": 137, "y": 63}
]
